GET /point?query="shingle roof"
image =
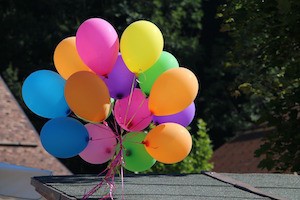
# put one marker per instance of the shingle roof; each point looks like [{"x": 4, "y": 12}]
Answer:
[
  {"x": 19, "y": 141},
  {"x": 191, "y": 186},
  {"x": 237, "y": 155}
]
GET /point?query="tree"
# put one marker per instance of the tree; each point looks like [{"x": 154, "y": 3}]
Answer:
[
  {"x": 264, "y": 56},
  {"x": 30, "y": 40}
]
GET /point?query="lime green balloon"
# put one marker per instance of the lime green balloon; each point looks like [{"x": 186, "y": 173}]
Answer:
[
  {"x": 166, "y": 61},
  {"x": 136, "y": 157}
]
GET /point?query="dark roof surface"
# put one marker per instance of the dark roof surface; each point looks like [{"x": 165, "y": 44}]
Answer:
[
  {"x": 192, "y": 186},
  {"x": 19, "y": 141}
]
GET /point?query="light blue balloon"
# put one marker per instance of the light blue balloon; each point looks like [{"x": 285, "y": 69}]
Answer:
[
  {"x": 43, "y": 94},
  {"x": 64, "y": 137}
]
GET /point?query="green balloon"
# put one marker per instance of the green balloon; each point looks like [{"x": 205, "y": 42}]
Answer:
[
  {"x": 135, "y": 156},
  {"x": 166, "y": 61}
]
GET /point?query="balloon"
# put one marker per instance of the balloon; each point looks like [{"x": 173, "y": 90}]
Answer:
[
  {"x": 184, "y": 118},
  {"x": 173, "y": 91},
  {"x": 120, "y": 80},
  {"x": 135, "y": 155},
  {"x": 141, "y": 45},
  {"x": 168, "y": 143},
  {"x": 132, "y": 113},
  {"x": 88, "y": 96},
  {"x": 101, "y": 146},
  {"x": 66, "y": 58},
  {"x": 43, "y": 94},
  {"x": 97, "y": 43},
  {"x": 64, "y": 137},
  {"x": 166, "y": 61}
]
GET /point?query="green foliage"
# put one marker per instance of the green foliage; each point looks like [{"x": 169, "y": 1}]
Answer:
[
  {"x": 12, "y": 80},
  {"x": 265, "y": 58},
  {"x": 198, "y": 159},
  {"x": 179, "y": 21},
  {"x": 30, "y": 34}
]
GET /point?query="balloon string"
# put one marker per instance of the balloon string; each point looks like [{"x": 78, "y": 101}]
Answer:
[
  {"x": 92, "y": 139},
  {"x": 133, "y": 135},
  {"x": 117, "y": 161},
  {"x": 135, "y": 125},
  {"x": 122, "y": 181},
  {"x": 95, "y": 188},
  {"x": 101, "y": 127},
  {"x": 111, "y": 170},
  {"x": 114, "y": 124},
  {"x": 137, "y": 110},
  {"x": 145, "y": 77},
  {"x": 110, "y": 175},
  {"x": 130, "y": 99}
]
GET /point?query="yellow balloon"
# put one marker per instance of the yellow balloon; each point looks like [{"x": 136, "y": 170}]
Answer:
[
  {"x": 141, "y": 45},
  {"x": 173, "y": 91},
  {"x": 66, "y": 59}
]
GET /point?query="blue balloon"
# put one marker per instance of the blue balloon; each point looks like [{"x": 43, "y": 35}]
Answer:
[
  {"x": 43, "y": 94},
  {"x": 64, "y": 137}
]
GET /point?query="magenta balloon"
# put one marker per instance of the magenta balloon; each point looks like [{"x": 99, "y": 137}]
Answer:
[
  {"x": 183, "y": 118},
  {"x": 132, "y": 113},
  {"x": 120, "y": 80},
  {"x": 97, "y": 44},
  {"x": 101, "y": 146}
]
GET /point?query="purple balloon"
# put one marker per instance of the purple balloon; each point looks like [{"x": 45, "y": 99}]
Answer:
[
  {"x": 120, "y": 80},
  {"x": 183, "y": 118}
]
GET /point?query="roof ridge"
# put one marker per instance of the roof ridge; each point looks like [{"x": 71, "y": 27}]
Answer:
[{"x": 240, "y": 185}]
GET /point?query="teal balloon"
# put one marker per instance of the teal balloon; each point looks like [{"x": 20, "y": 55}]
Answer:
[
  {"x": 135, "y": 156},
  {"x": 43, "y": 94},
  {"x": 166, "y": 61},
  {"x": 64, "y": 137}
]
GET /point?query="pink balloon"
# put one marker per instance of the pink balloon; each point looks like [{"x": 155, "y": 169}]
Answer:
[
  {"x": 101, "y": 146},
  {"x": 132, "y": 113},
  {"x": 97, "y": 44}
]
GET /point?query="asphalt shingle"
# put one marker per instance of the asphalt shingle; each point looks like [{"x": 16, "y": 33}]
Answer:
[
  {"x": 19, "y": 141},
  {"x": 192, "y": 186}
]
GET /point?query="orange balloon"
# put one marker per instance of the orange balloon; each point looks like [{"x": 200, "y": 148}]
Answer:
[
  {"x": 168, "y": 143},
  {"x": 173, "y": 91},
  {"x": 66, "y": 58},
  {"x": 88, "y": 96}
]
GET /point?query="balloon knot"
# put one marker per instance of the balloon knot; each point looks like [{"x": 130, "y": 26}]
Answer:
[
  {"x": 128, "y": 152},
  {"x": 129, "y": 125},
  {"x": 155, "y": 123},
  {"x": 105, "y": 123},
  {"x": 146, "y": 143},
  {"x": 108, "y": 150},
  {"x": 151, "y": 111},
  {"x": 119, "y": 96}
]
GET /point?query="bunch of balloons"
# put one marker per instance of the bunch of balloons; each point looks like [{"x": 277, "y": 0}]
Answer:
[{"x": 132, "y": 80}]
